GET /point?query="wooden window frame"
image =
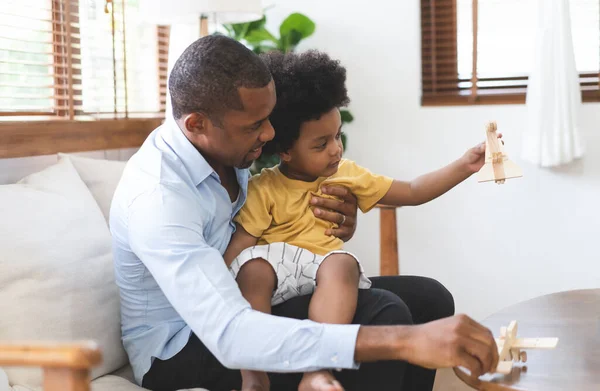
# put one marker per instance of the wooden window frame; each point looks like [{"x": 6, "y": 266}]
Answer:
[
  {"x": 47, "y": 137},
  {"x": 24, "y": 134},
  {"x": 439, "y": 64}
]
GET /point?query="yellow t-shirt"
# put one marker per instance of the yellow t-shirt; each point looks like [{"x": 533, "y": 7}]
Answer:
[{"x": 278, "y": 208}]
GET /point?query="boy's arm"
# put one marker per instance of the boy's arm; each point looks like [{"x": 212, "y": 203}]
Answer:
[
  {"x": 426, "y": 187},
  {"x": 432, "y": 185},
  {"x": 240, "y": 241}
]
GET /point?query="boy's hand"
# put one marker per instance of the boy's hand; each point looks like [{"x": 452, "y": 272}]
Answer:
[
  {"x": 474, "y": 158},
  {"x": 343, "y": 212}
]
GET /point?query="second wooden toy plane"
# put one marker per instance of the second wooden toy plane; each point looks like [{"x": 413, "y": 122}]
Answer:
[{"x": 510, "y": 350}]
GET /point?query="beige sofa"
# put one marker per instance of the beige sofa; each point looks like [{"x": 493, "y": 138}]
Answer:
[{"x": 56, "y": 269}]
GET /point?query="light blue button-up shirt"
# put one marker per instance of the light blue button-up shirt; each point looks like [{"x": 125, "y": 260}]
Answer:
[{"x": 171, "y": 221}]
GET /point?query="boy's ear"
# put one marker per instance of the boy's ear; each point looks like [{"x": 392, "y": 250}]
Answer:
[{"x": 285, "y": 156}]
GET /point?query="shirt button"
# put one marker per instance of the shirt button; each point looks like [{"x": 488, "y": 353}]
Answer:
[
  {"x": 286, "y": 363},
  {"x": 334, "y": 358}
]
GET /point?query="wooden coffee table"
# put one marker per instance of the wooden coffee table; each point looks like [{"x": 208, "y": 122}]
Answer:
[{"x": 572, "y": 316}]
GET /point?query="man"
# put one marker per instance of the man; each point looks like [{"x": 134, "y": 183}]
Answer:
[{"x": 184, "y": 321}]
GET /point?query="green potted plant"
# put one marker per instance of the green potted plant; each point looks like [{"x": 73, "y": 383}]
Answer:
[{"x": 292, "y": 31}]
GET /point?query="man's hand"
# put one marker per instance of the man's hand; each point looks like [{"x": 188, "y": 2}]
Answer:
[
  {"x": 452, "y": 342},
  {"x": 343, "y": 212},
  {"x": 474, "y": 158}
]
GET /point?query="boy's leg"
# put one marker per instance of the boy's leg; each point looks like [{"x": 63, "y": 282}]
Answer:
[
  {"x": 334, "y": 301},
  {"x": 257, "y": 281}
]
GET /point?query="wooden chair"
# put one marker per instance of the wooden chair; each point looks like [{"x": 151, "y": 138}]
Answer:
[
  {"x": 388, "y": 243},
  {"x": 66, "y": 366}
]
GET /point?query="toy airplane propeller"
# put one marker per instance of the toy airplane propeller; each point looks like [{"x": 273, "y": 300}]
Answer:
[
  {"x": 510, "y": 350},
  {"x": 497, "y": 166}
]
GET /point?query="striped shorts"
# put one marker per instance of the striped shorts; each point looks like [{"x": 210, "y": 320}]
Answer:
[{"x": 296, "y": 268}]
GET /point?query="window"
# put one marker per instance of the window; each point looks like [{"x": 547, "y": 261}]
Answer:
[
  {"x": 78, "y": 62},
  {"x": 501, "y": 33}
]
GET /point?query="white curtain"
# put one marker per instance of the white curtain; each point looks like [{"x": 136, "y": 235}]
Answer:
[
  {"x": 551, "y": 137},
  {"x": 181, "y": 36}
]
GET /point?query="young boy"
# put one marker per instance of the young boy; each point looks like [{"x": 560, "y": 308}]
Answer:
[{"x": 280, "y": 249}]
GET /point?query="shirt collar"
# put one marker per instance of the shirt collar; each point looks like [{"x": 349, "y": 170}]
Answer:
[{"x": 193, "y": 161}]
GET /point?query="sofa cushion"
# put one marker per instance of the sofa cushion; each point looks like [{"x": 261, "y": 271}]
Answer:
[
  {"x": 114, "y": 383},
  {"x": 104, "y": 383},
  {"x": 100, "y": 176},
  {"x": 118, "y": 383},
  {"x": 56, "y": 270},
  {"x": 3, "y": 381}
]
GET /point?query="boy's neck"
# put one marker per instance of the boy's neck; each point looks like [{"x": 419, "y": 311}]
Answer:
[{"x": 290, "y": 173}]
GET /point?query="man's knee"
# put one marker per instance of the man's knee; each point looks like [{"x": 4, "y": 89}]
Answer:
[
  {"x": 381, "y": 307},
  {"x": 441, "y": 302}
]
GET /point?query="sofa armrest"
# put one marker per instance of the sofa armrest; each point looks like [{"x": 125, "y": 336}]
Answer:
[{"x": 66, "y": 366}]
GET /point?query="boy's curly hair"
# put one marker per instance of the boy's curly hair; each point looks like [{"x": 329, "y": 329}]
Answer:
[{"x": 308, "y": 85}]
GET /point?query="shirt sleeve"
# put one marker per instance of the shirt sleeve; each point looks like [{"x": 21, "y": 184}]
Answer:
[
  {"x": 255, "y": 215},
  {"x": 166, "y": 233},
  {"x": 368, "y": 188}
]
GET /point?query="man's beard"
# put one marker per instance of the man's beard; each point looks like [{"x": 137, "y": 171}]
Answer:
[{"x": 245, "y": 164}]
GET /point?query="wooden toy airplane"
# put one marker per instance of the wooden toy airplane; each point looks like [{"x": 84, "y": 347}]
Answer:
[
  {"x": 497, "y": 166},
  {"x": 510, "y": 349}
]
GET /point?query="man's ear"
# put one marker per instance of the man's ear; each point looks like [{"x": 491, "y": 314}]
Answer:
[{"x": 197, "y": 124}]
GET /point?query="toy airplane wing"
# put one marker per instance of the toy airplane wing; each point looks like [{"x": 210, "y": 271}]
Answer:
[
  {"x": 535, "y": 343},
  {"x": 527, "y": 343},
  {"x": 499, "y": 172},
  {"x": 505, "y": 367}
]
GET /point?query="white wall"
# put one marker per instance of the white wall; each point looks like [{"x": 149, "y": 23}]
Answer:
[{"x": 490, "y": 245}]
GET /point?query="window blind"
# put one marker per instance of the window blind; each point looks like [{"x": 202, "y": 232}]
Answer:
[
  {"x": 480, "y": 51},
  {"x": 71, "y": 58}
]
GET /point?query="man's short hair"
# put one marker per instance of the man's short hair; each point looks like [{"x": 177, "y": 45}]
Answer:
[
  {"x": 308, "y": 85},
  {"x": 207, "y": 75}
]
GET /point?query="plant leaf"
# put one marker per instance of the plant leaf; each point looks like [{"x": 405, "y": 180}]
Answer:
[
  {"x": 229, "y": 29},
  {"x": 259, "y": 35},
  {"x": 257, "y": 24},
  {"x": 258, "y": 49},
  {"x": 299, "y": 22},
  {"x": 293, "y": 38},
  {"x": 239, "y": 30},
  {"x": 347, "y": 117}
]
